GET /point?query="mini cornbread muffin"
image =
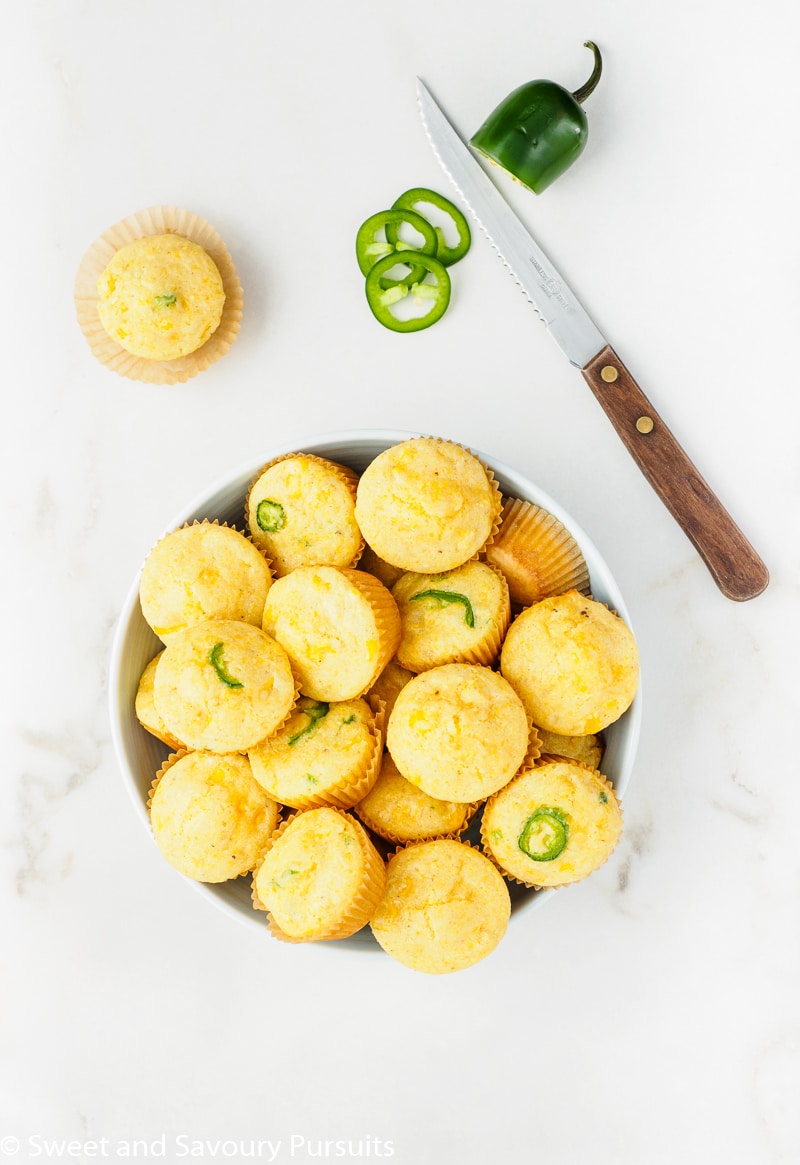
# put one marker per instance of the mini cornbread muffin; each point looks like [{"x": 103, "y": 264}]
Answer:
[
  {"x": 536, "y": 553},
  {"x": 460, "y": 616},
  {"x": 210, "y": 818},
  {"x": 400, "y": 812},
  {"x": 427, "y": 505},
  {"x": 160, "y": 297},
  {"x": 384, "y": 571},
  {"x": 586, "y": 749},
  {"x": 146, "y": 710},
  {"x": 223, "y": 686},
  {"x": 390, "y": 684},
  {"x": 573, "y": 662},
  {"x": 339, "y": 628},
  {"x": 459, "y": 732},
  {"x": 301, "y": 512},
  {"x": 445, "y": 907},
  {"x": 203, "y": 571},
  {"x": 321, "y": 878},
  {"x": 325, "y": 754},
  {"x": 553, "y": 824}
]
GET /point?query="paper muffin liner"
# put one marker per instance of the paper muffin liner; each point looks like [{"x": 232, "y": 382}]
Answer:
[
  {"x": 547, "y": 759},
  {"x": 354, "y": 788},
  {"x": 344, "y": 473},
  {"x": 156, "y": 220},
  {"x": 159, "y": 730},
  {"x": 364, "y": 903},
  {"x": 387, "y": 618},
  {"x": 559, "y": 563}
]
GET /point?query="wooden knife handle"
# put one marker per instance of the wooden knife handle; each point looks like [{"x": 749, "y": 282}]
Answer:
[{"x": 737, "y": 570}]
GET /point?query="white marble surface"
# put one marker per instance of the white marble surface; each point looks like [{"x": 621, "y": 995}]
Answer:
[{"x": 647, "y": 1015}]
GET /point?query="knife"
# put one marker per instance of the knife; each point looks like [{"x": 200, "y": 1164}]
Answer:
[{"x": 736, "y": 568}]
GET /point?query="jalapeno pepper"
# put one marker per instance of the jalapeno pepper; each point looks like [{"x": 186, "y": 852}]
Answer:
[
  {"x": 370, "y": 249},
  {"x": 544, "y": 834},
  {"x": 218, "y": 664},
  {"x": 539, "y": 130},
  {"x": 444, "y": 252},
  {"x": 443, "y": 597},
  {"x": 381, "y": 299}
]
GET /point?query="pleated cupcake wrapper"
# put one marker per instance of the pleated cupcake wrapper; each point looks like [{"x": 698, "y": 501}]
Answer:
[
  {"x": 364, "y": 903},
  {"x": 344, "y": 473},
  {"x": 497, "y": 497},
  {"x": 354, "y": 788},
  {"x": 560, "y": 564},
  {"x": 402, "y": 842},
  {"x": 542, "y": 760},
  {"x": 489, "y": 649},
  {"x": 156, "y": 220},
  {"x": 165, "y": 737}
]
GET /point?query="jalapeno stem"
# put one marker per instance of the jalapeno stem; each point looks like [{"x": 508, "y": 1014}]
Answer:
[{"x": 586, "y": 90}]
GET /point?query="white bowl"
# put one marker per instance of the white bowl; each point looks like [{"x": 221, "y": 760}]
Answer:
[{"x": 140, "y": 755}]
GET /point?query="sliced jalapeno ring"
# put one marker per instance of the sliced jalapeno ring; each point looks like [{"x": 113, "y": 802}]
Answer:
[
  {"x": 218, "y": 664},
  {"x": 381, "y": 300},
  {"x": 446, "y": 254},
  {"x": 369, "y": 249},
  {"x": 443, "y": 597},
  {"x": 270, "y": 516},
  {"x": 544, "y": 834},
  {"x": 315, "y": 713}
]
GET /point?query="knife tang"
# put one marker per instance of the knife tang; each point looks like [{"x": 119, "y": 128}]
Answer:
[{"x": 737, "y": 569}]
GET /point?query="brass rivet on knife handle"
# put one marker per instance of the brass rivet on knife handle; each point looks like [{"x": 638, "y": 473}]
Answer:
[
  {"x": 736, "y": 568},
  {"x": 645, "y": 424}
]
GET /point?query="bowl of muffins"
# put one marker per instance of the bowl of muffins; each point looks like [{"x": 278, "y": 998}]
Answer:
[{"x": 378, "y": 691}]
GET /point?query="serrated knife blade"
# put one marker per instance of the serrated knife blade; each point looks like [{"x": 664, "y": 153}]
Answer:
[{"x": 734, "y": 565}]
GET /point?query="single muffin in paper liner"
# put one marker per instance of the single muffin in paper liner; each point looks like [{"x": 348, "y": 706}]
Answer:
[
  {"x": 445, "y": 907},
  {"x": 224, "y": 686},
  {"x": 459, "y": 732},
  {"x": 384, "y": 571},
  {"x": 156, "y": 222},
  {"x": 339, "y": 627},
  {"x": 145, "y": 708},
  {"x": 573, "y": 663},
  {"x": 321, "y": 877},
  {"x": 400, "y": 812},
  {"x": 554, "y": 824},
  {"x": 428, "y": 505},
  {"x": 300, "y": 510},
  {"x": 457, "y": 617},
  {"x": 203, "y": 570},
  {"x": 325, "y": 754},
  {"x": 586, "y": 749},
  {"x": 210, "y": 818},
  {"x": 536, "y": 553}
]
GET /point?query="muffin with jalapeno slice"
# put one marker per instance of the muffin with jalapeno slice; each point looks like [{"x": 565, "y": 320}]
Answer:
[
  {"x": 427, "y": 505},
  {"x": 459, "y": 732},
  {"x": 555, "y": 823},
  {"x": 203, "y": 571},
  {"x": 210, "y": 819},
  {"x": 321, "y": 878},
  {"x": 339, "y": 628},
  {"x": 574, "y": 664},
  {"x": 325, "y": 754},
  {"x": 301, "y": 512},
  {"x": 400, "y": 812},
  {"x": 445, "y": 907},
  {"x": 460, "y": 616},
  {"x": 223, "y": 686}
]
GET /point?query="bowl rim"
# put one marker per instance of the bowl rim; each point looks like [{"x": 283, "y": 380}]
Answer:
[{"x": 249, "y": 470}]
